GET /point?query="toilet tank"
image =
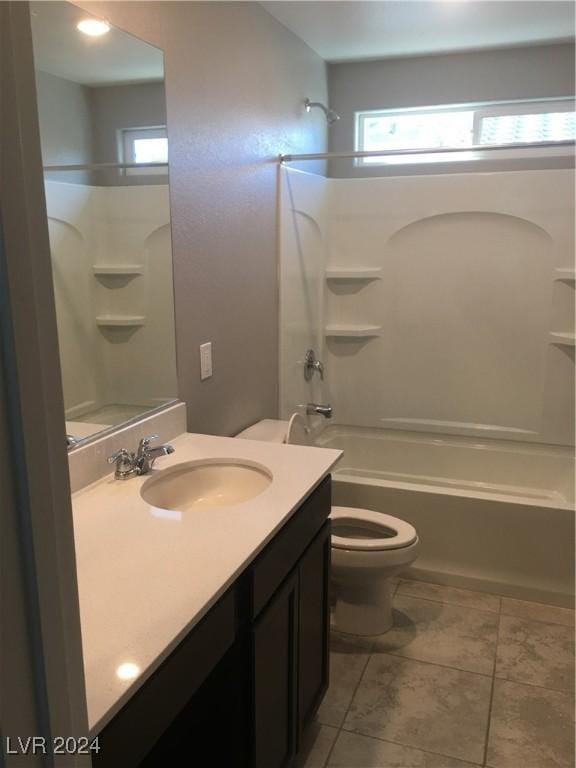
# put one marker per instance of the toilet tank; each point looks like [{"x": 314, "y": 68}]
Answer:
[
  {"x": 295, "y": 431},
  {"x": 268, "y": 430}
]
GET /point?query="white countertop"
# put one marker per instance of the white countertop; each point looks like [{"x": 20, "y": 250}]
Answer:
[{"x": 146, "y": 577}]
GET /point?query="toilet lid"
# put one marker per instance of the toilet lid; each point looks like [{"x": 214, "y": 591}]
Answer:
[
  {"x": 364, "y": 530},
  {"x": 268, "y": 430}
]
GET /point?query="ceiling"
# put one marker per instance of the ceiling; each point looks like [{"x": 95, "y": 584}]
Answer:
[
  {"x": 113, "y": 59},
  {"x": 337, "y": 31},
  {"x": 344, "y": 31}
]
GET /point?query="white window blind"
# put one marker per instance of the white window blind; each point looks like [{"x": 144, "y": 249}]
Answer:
[{"x": 459, "y": 126}]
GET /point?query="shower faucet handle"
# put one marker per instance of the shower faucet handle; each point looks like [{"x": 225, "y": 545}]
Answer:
[{"x": 311, "y": 364}]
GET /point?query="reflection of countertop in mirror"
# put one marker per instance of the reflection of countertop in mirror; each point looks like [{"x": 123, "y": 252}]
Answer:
[
  {"x": 145, "y": 579},
  {"x": 82, "y": 429}
]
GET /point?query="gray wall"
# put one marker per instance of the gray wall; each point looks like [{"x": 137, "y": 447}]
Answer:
[
  {"x": 123, "y": 106},
  {"x": 79, "y": 124},
  {"x": 66, "y": 124},
  {"x": 235, "y": 83},
  {"x": 514, "y": 73}
]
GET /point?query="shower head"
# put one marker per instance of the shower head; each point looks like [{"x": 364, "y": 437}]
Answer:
[{"x": 331, "y": 116}]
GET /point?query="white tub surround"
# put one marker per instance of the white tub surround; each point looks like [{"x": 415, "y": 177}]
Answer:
[
  {"x": 146, "y": 575},
  {"x": 440, "y": 304},
  {"x": 112, "y": 261},
  {"x": 493, "y": 515}
]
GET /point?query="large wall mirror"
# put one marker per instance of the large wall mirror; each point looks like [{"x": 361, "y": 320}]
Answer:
[{"x": 102, "y": 114}]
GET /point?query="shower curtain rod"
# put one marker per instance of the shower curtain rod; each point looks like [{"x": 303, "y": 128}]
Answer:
[
  {"x": 440, "y": 150},
  {"x": 105, "y": 166}
]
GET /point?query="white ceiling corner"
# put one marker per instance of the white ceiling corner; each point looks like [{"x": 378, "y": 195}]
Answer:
[{"x": 354, "y": 30}]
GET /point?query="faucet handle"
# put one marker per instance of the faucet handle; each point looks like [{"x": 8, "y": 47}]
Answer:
[
  {"x": 71, "y": 441},
  {"x": 311, "y": 364},
  {"x": 145, "y": 442},
  {"x": 119, "y": 456},
  {"x": 125, "y": 466}
]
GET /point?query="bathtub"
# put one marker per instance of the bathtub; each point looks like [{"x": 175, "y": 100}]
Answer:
[{"x": 492, "y": 515}]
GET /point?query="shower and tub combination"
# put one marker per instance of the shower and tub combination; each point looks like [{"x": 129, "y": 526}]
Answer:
[
  {"x": 442, "y": 310},
  {"x": 491, "y": 515}
]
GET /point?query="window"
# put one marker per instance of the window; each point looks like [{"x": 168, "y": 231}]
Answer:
[
  {"x": 517, "y": 129},
  {"x": 513, "y": 123},
  {"x": 144, "y": 145}
]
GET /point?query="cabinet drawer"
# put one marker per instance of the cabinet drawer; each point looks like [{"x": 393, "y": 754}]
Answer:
[
  {"x": 275, "y": 563},
  {"x": 130, "y": 736}
]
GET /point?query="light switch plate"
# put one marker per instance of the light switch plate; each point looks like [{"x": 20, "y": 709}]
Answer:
[{"x": 205, "y": 360}]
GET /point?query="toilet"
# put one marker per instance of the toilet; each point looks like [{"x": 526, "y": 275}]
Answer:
[{"x": 368, "y": 548}]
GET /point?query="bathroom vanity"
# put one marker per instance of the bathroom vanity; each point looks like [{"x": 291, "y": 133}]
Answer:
[
  {"x": 220, "y": 615},
  {"x": 241, "y": 687}
]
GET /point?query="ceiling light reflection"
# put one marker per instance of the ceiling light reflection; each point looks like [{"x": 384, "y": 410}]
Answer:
[
  {"x": 93, "y": 27},
  {"x": 128, "y": 671}
]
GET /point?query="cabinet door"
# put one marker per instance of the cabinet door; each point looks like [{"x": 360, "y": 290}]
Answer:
[
  {"x": 213, "y": 730},
  {"x": 314, "y": 626},
  {"x": 162, "y": 701},
  {"x": 274, "y": 647}
]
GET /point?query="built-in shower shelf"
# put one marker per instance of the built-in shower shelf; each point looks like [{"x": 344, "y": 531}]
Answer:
[
  {"x": 564, "y": 338},
  {"x": 117, "y": 270},
  {"x": 353, "y": 273},
  {"x": 352, "y": 331},
  {"x": 120, "y": 321},
  {"x": 565, "y": 273}
]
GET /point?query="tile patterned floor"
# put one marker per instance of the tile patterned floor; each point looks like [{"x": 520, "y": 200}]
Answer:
[{"x": 463, "y": 679}]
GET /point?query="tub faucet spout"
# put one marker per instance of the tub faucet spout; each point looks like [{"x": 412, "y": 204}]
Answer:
[{"x": 316, "y": 409}]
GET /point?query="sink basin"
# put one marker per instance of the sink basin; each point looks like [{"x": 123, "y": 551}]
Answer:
[{"x": 206, "y": 483}]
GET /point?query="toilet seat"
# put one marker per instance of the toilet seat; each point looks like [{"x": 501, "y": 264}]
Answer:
[{"x": 396, "y": 533}]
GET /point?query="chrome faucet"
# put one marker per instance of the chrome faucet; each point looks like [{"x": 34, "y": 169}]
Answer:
[
  {"x": 311, "y": 364},
  {"x": 146, "y": 455},
  {"x": 125, "y": 464},
  {"x": 315, "y": 409},
  {"x": 129, "y": 464}
]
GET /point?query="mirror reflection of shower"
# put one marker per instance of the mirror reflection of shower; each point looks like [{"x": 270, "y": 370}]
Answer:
[
  {"x": 331, "y": 115},
  {"x": 104, "y": 149}
]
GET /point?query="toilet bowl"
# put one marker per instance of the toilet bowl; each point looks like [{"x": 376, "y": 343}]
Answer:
[{"x": 368, "y": 548}]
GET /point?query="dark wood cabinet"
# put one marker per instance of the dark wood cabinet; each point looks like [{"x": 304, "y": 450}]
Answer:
[
  {"x": 243, "y": 685},
  {"x": 213, "y": 729},
  {"x": 275, "y": 660},
  {"x": 156, "y": 708},
  {"x": 290, "y": 656},
  {"x": 313, "y": 627}
]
